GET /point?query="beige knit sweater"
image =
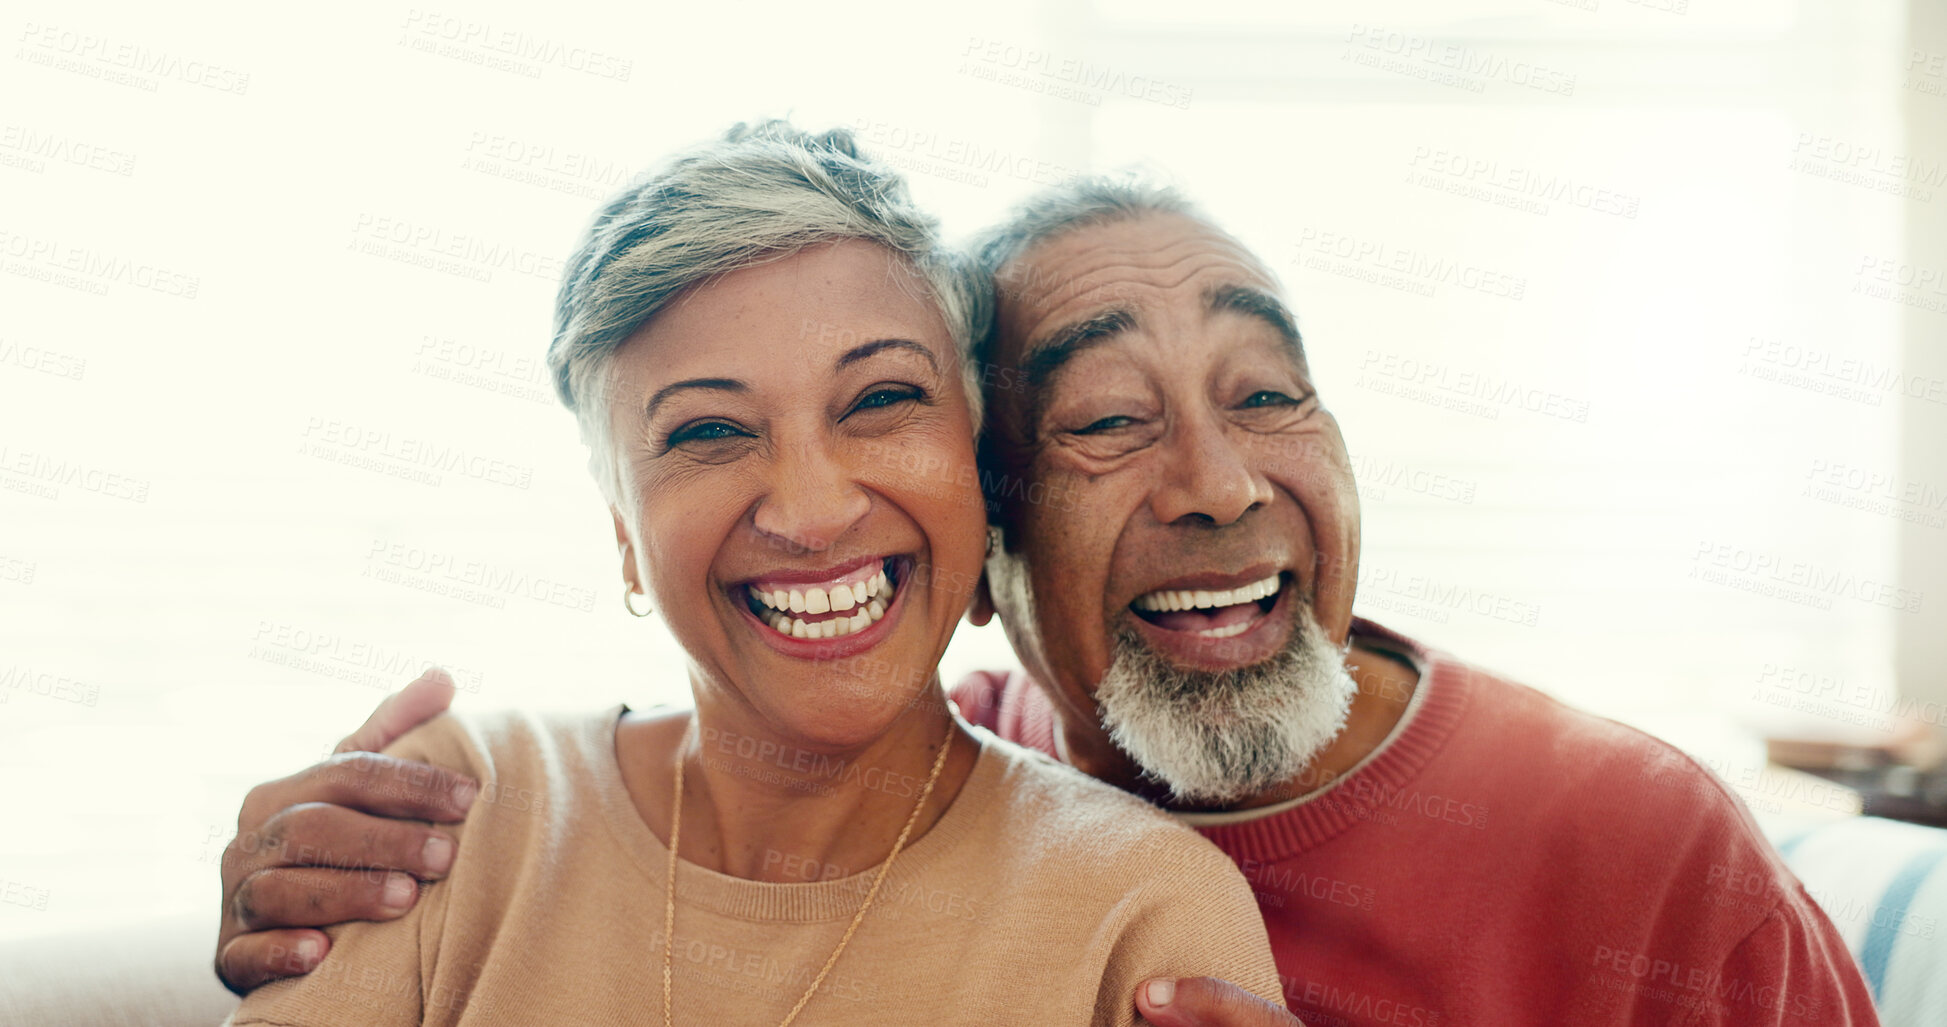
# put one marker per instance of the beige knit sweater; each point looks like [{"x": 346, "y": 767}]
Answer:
[{"x": 1040, "y": 896}]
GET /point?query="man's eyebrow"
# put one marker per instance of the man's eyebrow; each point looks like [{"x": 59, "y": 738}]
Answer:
[
  {"x": 860, "y": 352},
  {"x": 719, "y": 384},
  {"x": 1243, "y": 299},
  {"x": 1046, "y": 355}
]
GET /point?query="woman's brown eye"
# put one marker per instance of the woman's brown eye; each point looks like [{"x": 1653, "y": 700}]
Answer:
[
  {"x": 705, "y": 431},
  {"x": 889, "y": 396}
]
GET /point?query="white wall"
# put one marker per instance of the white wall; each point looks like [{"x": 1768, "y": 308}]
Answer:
[{"x": 182, "y": 515}]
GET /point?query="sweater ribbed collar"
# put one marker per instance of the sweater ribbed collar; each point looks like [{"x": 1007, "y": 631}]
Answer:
[{"x": 1446, "y": 687}]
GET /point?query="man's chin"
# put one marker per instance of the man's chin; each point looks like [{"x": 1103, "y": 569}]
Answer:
[{"x": 1219, "y": 737}]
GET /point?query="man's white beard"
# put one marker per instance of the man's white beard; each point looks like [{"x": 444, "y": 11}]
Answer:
[{"x": 1215, "y": 737}]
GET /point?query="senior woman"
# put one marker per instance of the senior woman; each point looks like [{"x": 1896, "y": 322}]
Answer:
[{"x": 765, "y": 346}]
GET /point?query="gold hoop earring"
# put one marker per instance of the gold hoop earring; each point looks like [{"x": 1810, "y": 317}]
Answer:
[{"x": 628, "y": 603}]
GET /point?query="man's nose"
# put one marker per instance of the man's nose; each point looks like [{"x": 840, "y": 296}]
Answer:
[
  {"x": 814, "y": 499},
  {"x": 1207, "y": 478}
]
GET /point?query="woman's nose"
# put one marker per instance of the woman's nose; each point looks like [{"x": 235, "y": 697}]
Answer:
[{"x": 814, "y": 499}]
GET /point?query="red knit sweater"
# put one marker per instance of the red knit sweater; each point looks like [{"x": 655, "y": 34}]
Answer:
[{"x": 1505, "y": 859}]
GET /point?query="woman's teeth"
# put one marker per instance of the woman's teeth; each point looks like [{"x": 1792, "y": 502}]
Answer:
[
  {"x": 867, "y": 596},
  {"x": 1199, "y": 599},
  {"x": 832, "y": 627}
]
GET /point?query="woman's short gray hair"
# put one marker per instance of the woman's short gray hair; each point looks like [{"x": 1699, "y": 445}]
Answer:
[{"x": 762, "y": 192}]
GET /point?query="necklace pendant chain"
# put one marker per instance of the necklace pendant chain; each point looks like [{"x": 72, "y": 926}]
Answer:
[{"x": 669, "y": 883}]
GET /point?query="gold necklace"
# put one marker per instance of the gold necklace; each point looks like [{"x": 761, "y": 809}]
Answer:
[{"x": 669, "y": 885}]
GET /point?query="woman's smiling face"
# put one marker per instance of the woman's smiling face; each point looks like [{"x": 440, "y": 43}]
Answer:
[{"x": 797, "y": 488}]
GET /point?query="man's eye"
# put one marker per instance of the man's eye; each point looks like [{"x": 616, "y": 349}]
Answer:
[
  {"x": 1268, "y": 398},
  {"x": 705, "y": 431},
  {"x": 888, "y": 395},
  {"x": 1107, "y": 424}
]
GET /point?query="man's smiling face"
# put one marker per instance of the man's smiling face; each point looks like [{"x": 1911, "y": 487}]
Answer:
[{"x": 1196, "y": 502}]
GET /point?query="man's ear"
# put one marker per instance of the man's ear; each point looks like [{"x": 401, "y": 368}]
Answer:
[
  {"x": 625, "y": 546},
  {"x": 981, "y": 610}
]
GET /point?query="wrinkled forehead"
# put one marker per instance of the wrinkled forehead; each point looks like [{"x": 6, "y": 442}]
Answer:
[{"x": 1150, "y": 261}]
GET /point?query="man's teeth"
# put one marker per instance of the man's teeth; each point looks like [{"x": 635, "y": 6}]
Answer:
[
  {"x": 1199, "y": 599},
  {"x": 834, "y": 627}
]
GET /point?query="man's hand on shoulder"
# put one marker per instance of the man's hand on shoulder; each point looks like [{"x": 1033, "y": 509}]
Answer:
[
  {"x": 1206, "y": 1002},
  {"x": 347, "y": 839}
]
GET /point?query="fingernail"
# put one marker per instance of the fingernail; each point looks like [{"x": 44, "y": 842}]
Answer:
[
  {"x": 398, "y": 892},
  {"x": 463, "y": 793},
  {"x": 1160, "y": 992},
  {"x": 438, "y": 674},
  {"x": 307, "y": 952},
  {"x": 437, "y": 853}
]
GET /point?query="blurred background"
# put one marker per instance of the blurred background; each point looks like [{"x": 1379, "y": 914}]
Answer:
[{"x": 1634, "y": 313}]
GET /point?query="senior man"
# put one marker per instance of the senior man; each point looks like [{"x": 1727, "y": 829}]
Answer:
[{"x": 1429, "y": 844}]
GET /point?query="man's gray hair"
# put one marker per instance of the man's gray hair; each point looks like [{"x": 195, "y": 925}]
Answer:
[
  {"x": 1065, "y": 207},
  {"x": 762, "y": 192}
]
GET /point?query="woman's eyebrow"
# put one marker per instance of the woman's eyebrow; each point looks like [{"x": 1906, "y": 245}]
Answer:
[
  {"x": 860, "y": 352},
  {"x": 719, "y": 384}
]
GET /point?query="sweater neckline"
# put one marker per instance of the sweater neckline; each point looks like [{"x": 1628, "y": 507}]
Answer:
[
  {"x": 700, "y": 887},
  {"x": 1445, "y": 689}
]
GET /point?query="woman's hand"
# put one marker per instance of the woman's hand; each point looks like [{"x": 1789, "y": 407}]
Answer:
[
  {"x": 1206, "y": 1002},
  {"x": 335, "y": 842}
]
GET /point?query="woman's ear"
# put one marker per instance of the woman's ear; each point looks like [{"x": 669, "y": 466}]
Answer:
[
  {"x": 625, "y": 546},
  {"x": 981, "y": 610}
]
